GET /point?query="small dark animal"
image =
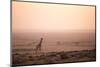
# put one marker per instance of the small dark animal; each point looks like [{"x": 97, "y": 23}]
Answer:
[{"x": 77, "y": 43}]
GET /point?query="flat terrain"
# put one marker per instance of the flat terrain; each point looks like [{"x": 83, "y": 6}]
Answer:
[
  {"x": 55, "y": 48},
  {"x": 54, "y": 57}
]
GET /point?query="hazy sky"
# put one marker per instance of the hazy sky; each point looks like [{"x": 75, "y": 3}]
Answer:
[{"x": 42, "y": 17}]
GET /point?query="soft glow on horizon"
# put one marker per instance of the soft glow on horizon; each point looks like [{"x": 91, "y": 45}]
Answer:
[{"x": 44, "y": 17}]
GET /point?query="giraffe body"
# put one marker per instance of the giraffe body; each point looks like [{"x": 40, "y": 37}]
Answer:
[{"x": 38, "y": 47}]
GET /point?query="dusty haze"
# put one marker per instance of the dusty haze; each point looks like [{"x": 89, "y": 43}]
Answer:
[
  {"x": 41, "y": 17},
  {"x": 60, "y": 26}
]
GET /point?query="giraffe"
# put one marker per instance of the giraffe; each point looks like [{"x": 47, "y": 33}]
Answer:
[{"x": 38, "y": 47}]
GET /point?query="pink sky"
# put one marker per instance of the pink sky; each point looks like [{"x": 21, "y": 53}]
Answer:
[{"x": 51, "y": 17}]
